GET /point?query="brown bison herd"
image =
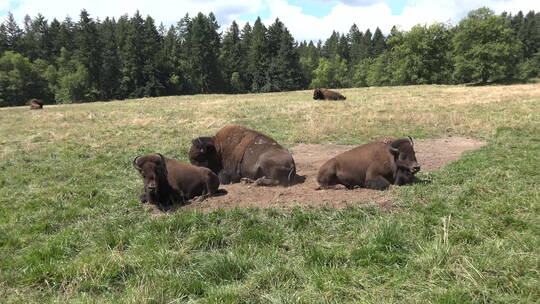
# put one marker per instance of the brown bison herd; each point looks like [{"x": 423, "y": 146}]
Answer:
[{"x": 237, "y": 153}]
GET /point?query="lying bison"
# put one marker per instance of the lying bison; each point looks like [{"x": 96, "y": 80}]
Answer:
[
  {"x": 327, "y": 94},
  {"x": 375, "y": 165},
  {"x": 36, "y": 104},
  {"x": 167, "y": 181},
  {"x": 237, "y": 152}
]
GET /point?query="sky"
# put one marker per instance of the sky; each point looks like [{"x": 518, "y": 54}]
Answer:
[{"x": 305, "y": 19}]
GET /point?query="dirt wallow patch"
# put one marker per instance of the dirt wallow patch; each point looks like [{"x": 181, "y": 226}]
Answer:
[{"x": 432, "y": 154}]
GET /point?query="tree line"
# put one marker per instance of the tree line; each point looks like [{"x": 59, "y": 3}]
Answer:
[{"x": 92, "y": 59}]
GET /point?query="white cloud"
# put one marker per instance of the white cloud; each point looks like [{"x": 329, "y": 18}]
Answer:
[
  {"x": 365, "y": 13},
  {"x": 166, "y": 11},
  {"x": 379, "y": 14}
]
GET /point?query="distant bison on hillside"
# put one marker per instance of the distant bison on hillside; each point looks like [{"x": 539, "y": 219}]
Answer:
[
  {"x": 374, "y": 165},
  {"x": 36, "y": 104},
  {"x": 236, "y": 153},
  {"x": 325, "y": 94},
  {"x": 167, "y": 181}
]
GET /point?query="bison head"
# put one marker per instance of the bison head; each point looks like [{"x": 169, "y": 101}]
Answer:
[
  {"x": 403, "y": 151},
  {"x": 153, "y": 170},
  {"x": 318, "y": 94},
  {"x": 203, "y": 153}
]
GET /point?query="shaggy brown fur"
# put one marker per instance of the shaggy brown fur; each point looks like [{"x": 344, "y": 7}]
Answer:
[
  {"x": 167, "y": 181},
  {"x": 237, "y": 152},
  {"x": 36, "y": 104},
  {"x": 327, "y": 94},
  {"x": 375, "y": 165}
]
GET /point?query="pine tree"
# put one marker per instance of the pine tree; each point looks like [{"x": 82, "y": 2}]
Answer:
[
  {"x": 180, "y": 57},
  {"x": 132, "y": 84},
  {"x": 54, "y": 40},
  {"x": 343, "y": 49},
  {"x": 245, "y": 43},
  {"x": 169, "y": 48},
  {"x": 67, "y": 35},
  {"x": 283, "y": 72},
  {"x": 110, "y": 64},
  {"x": 33, "y": 36},
  {"x": 355, "y": 41},
  {"x": 3, "y": 39},
  {"x": 231, "y": 58},
  {"x": 153, "y": 70},
  {"x": 203, "y": 42},
  {"x": 273, "y": 36},
  {"x": 378, "y": 43},
  {"x": 258, "y": 58},
  {"x": 88, "y": 51},
  {"x": 330, "y": 48},
  {"x": 13, "y": 34},
  {"x": 366, "y": 47}
]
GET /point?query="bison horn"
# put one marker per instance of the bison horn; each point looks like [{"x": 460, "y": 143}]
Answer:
[
  {"x": 135, "y": 163},
  {"x": 412, "y": 142},
  {"x": 162, "y": 158},
  {"x": 163, "y": 163},
  {"x": 393, "y": 150}
]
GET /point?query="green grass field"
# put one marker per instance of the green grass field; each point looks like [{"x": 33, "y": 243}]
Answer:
[{"x": 72, "y": 229}]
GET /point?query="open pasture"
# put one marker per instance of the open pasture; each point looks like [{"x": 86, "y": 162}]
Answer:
[{"x": 72, "y": 229}]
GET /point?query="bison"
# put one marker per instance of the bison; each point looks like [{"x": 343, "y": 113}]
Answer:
[
  {"x": 36, "y": 104},
  {"x": 374, "y": 165},
  {"x": 167, "y": 181},
  {"x": 237, "y": 153},
  {"x": 323, "y": 94}
]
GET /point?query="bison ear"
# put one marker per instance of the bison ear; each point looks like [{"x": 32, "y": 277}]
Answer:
[
  {"x": 412, "y": 142},
  {"x": 393, "y": 150},
  {"x": 135, "y": 164}
]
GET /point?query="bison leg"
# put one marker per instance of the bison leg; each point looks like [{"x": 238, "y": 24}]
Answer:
[
  {"x": 143, "y": 198},
  {"x": 226, "y": 178},
  {"x": 377, "y": 183},
  {"x": 246, "y": 180},
  {"x": 403, "y": 177},
  {"x": 265, "y": 181},
  {"x": 201, "y": 198}
]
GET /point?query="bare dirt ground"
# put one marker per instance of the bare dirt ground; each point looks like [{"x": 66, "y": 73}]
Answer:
[{"x": 432, "y": 154}]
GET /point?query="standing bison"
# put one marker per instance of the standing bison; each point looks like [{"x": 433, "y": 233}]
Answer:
[
  {"x": 167, "y": 181},
  {"x": 237, "y": 152},
  {"x": 36, "y": 104},
  {"x": 375, "y": 165},
  {"x": 323, "y": 94}
]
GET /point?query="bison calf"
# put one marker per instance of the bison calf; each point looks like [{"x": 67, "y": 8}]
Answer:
[
  {"x": 375, "y": 165},
  {"x": 167, "y": 181},
  {"x": 323, "y": 94},
  {"x": 36, "y": 104}
]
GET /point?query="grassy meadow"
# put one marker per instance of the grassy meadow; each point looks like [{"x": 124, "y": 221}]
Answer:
[{"x": 72, "y": 229}]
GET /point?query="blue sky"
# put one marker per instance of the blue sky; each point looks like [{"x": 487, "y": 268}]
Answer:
[{"x": 306, "y": 19}]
